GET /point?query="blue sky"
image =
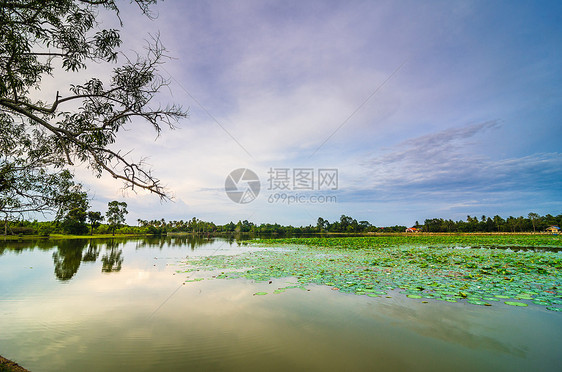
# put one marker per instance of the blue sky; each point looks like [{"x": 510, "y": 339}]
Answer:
[{"x": 427, "y": 109}]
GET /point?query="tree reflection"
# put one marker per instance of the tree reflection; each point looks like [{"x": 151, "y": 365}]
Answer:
[
  {"x": 67, "y": 258},
  {"x": 112, "y": 259},
  {"x": 92, "y": 253},
  {"x": 179, "y": 241}
]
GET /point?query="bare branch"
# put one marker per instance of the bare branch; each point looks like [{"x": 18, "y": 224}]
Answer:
[{"x": 82, "y": 127}]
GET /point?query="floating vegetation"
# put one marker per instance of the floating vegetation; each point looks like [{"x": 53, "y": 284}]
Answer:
[
  {"x": 477, "y": 276},
  {"x": 194, "y": 280},
  {"x": 515, "y": 303},
  {"x": 515, "y": 241}
]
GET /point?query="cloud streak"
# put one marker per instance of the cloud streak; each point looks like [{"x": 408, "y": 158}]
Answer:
[{"x": 449, "y": 162}]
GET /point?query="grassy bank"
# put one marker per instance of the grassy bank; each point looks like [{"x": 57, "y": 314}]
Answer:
[
  {"x": 64, "y": 236},
  {"x": 426, "y": 240},
  {"x": 9, "y": 366},
  {"x": 355, "y": 241}
]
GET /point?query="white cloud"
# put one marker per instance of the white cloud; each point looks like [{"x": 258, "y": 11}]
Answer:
[{"x": 281, "y": 78}]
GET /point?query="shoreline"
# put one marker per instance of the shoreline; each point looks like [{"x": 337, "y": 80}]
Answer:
[
  {"x": 8, "y": 365},
  {"x": 222, "y": 234}
]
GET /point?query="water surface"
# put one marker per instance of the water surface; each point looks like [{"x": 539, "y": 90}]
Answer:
[{"x": 117, "y": 305}]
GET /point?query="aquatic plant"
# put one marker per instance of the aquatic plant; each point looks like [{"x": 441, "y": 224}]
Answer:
[{"x": 357, "y": 266}]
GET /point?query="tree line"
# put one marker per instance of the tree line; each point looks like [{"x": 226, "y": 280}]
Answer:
[
  {"x": 345, "y": 224},
  {"x": 73, "y": 218},
  {"x": 532, "y": 223},
  {"x": 76, "y": 220}
]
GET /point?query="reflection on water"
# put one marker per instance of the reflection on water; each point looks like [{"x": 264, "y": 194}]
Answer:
[
  {"x": 454, "y": 324},
  {"x": 67, "y": 258},
  {"x": 192, "y": 242},
  {"x": 92, "y": 253},
  {"x": 116, "y": 304},
  {"x": 68, "y": 254},
  {"x": 112, "y": 259}
]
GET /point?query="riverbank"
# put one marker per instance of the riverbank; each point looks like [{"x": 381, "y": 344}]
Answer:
[
  {"x": 7, "y": 365},
  {"x": 273, "y": 236},
  {"x": 63, "y": 236},
  {"x": 474, "y": 240}
]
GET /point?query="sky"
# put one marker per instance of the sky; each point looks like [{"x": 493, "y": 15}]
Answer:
[{"x": 424, "y": 109}]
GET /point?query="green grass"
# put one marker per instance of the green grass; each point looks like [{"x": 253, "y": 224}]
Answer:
[
  {"x": 419, "y": 240},
  {"x": 65, "y": 236}
]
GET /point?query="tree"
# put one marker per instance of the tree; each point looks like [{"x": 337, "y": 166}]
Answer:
[
  {"x": 499, "y": 222},
  {"x": 72, "y": 210},
  {"x": 533, "y": 217},
  {"x": 321, "y": 224},
  {"x": 79, "y": 122},
  {"x": 94, "y": 218},
  {"x": 27, "y": 184},
  {"x": 115, "y": 214},
  {"x": 26, "y": 187},
  {"x": 345, "y": 221},
  {"x": 364, "y": 225},
  {"x": 75, "y": 222}
]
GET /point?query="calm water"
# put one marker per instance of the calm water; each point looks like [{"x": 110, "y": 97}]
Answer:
[{"x": 119, "y": 305}]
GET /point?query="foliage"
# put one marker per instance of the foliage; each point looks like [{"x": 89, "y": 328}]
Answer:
[
  {"x": 73, "y": 206},
  {"x": 94, "y": 218},
  {"x": 349, "y": 225},
  {"x": 75, "y": 222},
  {"x": 328, "y": 229},
  {"x": 78, "y": 123},
  {"x": 45, "y": 229},
  {"x": 26, "y": 186},
  {"x": 533, "y": 222},
  {"x": 115, "y": 214}
]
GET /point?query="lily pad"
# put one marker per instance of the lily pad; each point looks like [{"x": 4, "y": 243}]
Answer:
[
  {"x": 477, "y": 302},
  {"x": 515, "y": 303},
  {"x": 539, "y": 302},
  {"x": 434, "y": 269}
]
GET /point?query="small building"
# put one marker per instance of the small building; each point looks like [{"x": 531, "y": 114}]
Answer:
[
  {"x": 553, "y": 229},
  {"x": 412, "y": 229}
]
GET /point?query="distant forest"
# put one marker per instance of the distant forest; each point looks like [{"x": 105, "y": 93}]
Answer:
[{"x": 532, "y": 223}]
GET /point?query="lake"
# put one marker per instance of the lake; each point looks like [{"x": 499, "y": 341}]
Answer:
[{"x": 124, "y": 304}]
